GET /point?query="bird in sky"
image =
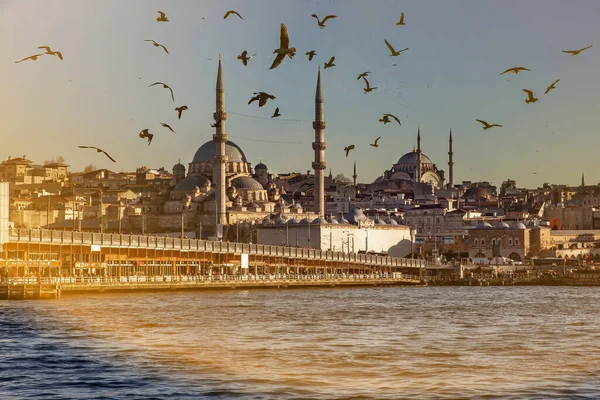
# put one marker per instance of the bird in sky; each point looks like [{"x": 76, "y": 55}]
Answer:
[
  {"x": 401, "y": 22},
  {"x": 166, "y": 87},
  {"x": 394, "y": 52},
  {"x": 386, "y": 118},
  {"x": 368, "y": 88},
  {"x": 549, "y": 88},
  {"x": 168, "y": 127},
  {"x": 487, "y": 126},
  {"x": 348, "y": 148},
  {"x": 228, "y": 13},
  {"x": 51, "y": 53},
  {"x": 575, "y": 52},
  {"x": 364, "y": 74},
  {"x": 284, "y": 49},
  {"x": 157, "y": 45},
  {"x": 530, "y": 98},
  {"x": 180, "y": 110},
  {"x": 329, "y": 64},
  {"x": 162, "y": 17},
  {"x": 276, "y": 113},
  {"x": 145, "y": 134},
  {"x": 322, "y": 23},
  {"x": 311, "y": 54},
  {"x": 262, "y": 98},
  {"x": 32, "y": 58},
  {"x": 244, "y": 57},
  {"x": 516, "y": 70},
  {"x": 374, "y": 144},
  {"x": 99, "y": 151}
]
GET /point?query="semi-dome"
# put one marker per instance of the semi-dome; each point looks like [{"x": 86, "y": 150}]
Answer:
[
  {"x": 412, "y": 157},
  {"x": 519, "y": 225},
  {"x": 206, "y": 153},
  {"x": 245, "y": 182},
  {"x": 189, "y": 183}
]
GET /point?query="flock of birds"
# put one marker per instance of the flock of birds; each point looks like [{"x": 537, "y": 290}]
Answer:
[
  {"x": 281, "y": 52},
  {"x": 530, "y": 95}
]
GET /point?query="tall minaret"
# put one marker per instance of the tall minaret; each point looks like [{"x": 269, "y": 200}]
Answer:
[
  {"x": 319, "y": 147},
  {"x": 582, "y": 179},
  {"x": 419, "y": 172},
  {"x": 354, "y": 176},
  {"x": 220, "y": 137},
  {"x": 450, "y": 162}
]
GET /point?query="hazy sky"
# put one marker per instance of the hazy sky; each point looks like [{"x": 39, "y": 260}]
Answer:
[{"x": 447, "y": 79}]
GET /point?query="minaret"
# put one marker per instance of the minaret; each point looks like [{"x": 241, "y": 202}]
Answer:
[
  {"x": 419, "y": 172},
  {"x": 354, "y": 176},
  {"x": 582, "y": 179},
  {"x": 450, "y": 162},
  {"x": 319, "y": 147},
  {"x": 220, "y": 137}
]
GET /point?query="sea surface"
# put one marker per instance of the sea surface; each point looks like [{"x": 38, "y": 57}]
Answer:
[{"x": 384, "y": 343}]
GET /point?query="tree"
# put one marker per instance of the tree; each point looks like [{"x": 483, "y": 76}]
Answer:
[
  {"x": 342, "y": 180},
  {"x": 60, "y": 159},
  {"x": 89, "y": 168}
]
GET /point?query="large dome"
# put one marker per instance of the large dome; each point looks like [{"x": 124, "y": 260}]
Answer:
[
  {"x": 206, "y": 153},
  {"x": 411, "y": 158}
]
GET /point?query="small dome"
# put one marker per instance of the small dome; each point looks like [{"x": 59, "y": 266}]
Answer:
[
  {"x": 260, "y": 165},
  {"x": 379, "y": 221},
  {"x": 319, "y": 221},
  {"x": 519, "y": 225},
  {"x": 355, "y": 215},
  {"x": 392, "y": 221},
  {"x": 268, "y": 222},
  {"x": 292, "y": 222},
  {"x": 253, "y": 205},
  {"x": 484, "y": 225},
  {"x": 178, "y": 167},
  {"x": 332, "y": 220},
  {"x": 189, "y": 183},
  {"x": 296, "y": 206},
  {"x": 245, "y": 182},
  {"x": 206, "y": 153},
  {"x": 305, "y": 221},
  {"x": 343, "y": 220},
  {"x": 502, "y": 225},
  {"x": 280, "y": 221}
]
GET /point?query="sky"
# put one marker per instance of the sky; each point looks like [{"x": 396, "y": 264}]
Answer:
[{"x": 99, "y": 95}]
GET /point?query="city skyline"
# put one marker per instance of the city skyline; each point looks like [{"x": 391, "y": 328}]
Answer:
[{"x": 96, "y": 97}]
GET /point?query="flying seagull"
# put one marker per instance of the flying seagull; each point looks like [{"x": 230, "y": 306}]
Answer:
[
  {"x": 487, "y": 126},
  {"x": 228, "y": 13},
  {"x": 575, "y": 52},
  {"x": 166, "y": 87},
  {"x": 284, "y": 42},
  {"x": 147, "y": 135},
  {"x": 311, "y": 54},
  {"x": 516, "y": 70},
  {"x": 375, "y": 143},
  {"x": 549, "y": 88},
  {"x": 401, "y": 22},
  {"x": 32, "y": 58},
  {"x": 368, "y": 88},
  {"x": 51, "y": 53},
  {"x": 530, "y": 98},
  {"x": 363, "y": 75},
  {"x": 262, "y": 98},
  {"x": 180, "y": 110},
  {"x": 329, "y": 64},
  {"x": 322, "y": 23},
  {"x": 168, "y": 127},
  {"x": 244, "y": 57},
  {"x": 276, "y": 113},
  {"x": 99, "y": 151},
  {"x": 157, "y": 45},
  {"x": 162, "y": 17},
  {"x": 348, "y": 148},
  {"x": 386, "y": 118},
  {"x": 394, "y": 52}
]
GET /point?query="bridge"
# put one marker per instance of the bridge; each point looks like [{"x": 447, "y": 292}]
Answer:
[{"x": 69, "y": 253}]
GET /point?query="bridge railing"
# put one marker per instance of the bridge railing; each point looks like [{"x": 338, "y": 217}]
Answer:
[{"x": 168, "y": 243}]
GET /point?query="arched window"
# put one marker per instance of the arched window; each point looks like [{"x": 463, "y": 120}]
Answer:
[
  {"x": 510, "y": 241},
  {"x": 483, "y": 242},
  {"x": 476, "y": 242},
  {"x": 516, "y": 242},
  {"x": 493, "y": 242}
]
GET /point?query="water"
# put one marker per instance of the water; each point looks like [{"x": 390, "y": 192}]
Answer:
[{"x": 396, "y": 342}]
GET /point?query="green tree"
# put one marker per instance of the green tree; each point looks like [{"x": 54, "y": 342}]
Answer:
[
  {"x": 89, "y": 168},
  {"x": 342, "y": 180}
]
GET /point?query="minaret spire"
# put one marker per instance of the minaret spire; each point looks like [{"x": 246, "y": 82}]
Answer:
[
  {"x": 354, "y": 176},
  {"x": 220, "y": 159},
  {"x": 419, "y": 172},
  {"x": 582, "y": 179},
  {"x": 319, "y": 147},
  {"x": 450, "y": 162}
]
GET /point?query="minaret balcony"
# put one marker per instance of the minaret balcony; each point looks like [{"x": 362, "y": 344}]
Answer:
[
  {"x": 319, "y": 125},
  {"x": 319, "y": 145},
  {"x": 319, "y": 165},
  {"x": 220, "y": 116}
]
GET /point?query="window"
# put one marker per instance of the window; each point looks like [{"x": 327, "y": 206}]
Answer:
[
  {"x": 510, "y": 241},
  {"x": 437, "y": 220},
  {"x": 516, "y": 242},
  {"x": 483, "y": 242},
  {"x": 493, "y": 242},
  {"x": 476, "y": 242}
]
